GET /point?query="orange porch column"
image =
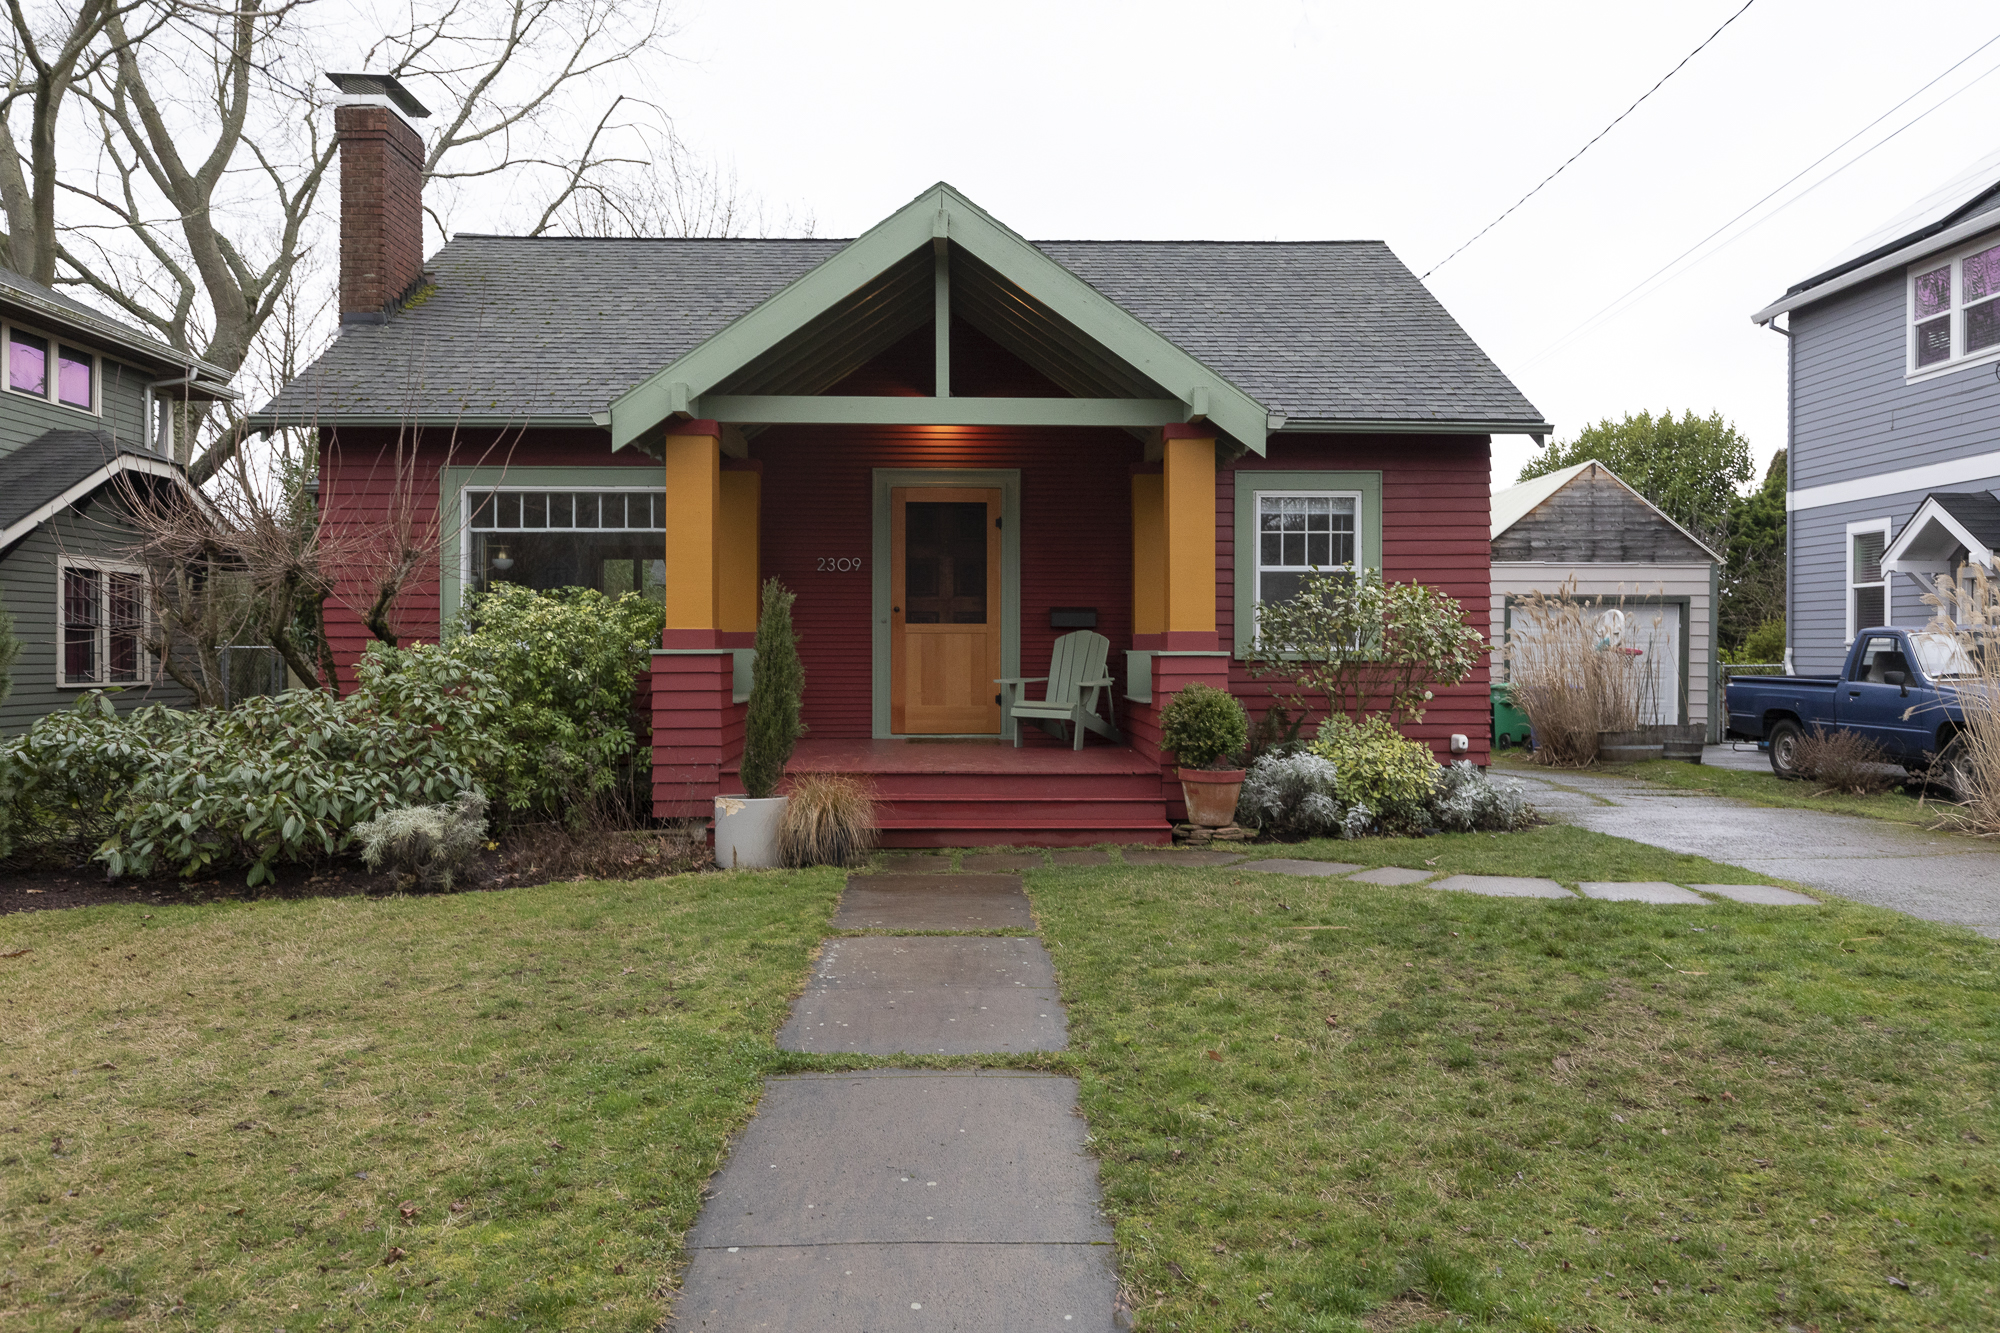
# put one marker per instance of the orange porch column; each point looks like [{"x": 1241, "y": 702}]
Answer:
[
  {"x": 1188, "y": 537},
  {"x": 693, "y": 475}
]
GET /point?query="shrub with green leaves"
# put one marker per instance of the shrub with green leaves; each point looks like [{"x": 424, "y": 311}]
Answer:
[
  {"x": 1203, "y": 726},
  {"x": 429, "y": 843},
  {"x": 569, "y": 663},
  {"x": 1466, "y": 799},
  {"x": 1292, "y": 795},
  {"x": 1380, "y": 769},
  {"x": 279, "y": 778}
]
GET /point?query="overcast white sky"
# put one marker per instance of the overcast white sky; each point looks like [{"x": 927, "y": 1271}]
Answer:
[{"x": 1415, "y": 124}]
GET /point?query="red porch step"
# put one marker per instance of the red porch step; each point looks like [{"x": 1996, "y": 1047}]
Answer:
[{"x": 980, "y": 794}]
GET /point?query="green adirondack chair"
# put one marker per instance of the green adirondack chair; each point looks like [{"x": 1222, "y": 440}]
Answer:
[{"x": 1076, "y": 677}]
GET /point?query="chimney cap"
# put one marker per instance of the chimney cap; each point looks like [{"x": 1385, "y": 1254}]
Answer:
[{"x": 380, "y": 85}]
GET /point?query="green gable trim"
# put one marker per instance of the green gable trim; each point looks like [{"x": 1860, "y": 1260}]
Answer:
[
  {"x": 1248, "y": 483},
  {"x": 452, "y": 484},
  {"x": 940, "y": 212},
  {"x": 788, "y": 409}
]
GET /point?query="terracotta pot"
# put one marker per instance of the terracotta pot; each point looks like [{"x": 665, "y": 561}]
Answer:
[
  {"x": 746, "y": 832},
  {"x": 1211, "y": 795}
]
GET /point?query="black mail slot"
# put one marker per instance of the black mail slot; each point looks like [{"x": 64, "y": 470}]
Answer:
[{"x": 1072, "y": 617}]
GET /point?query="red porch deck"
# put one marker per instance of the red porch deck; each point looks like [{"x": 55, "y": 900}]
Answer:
[{"x": 973, "y": 793}]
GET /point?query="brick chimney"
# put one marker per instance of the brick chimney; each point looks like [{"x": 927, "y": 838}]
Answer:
[{"x": 381, "y": 195}]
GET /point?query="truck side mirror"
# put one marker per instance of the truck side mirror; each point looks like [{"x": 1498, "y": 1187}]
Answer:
[{"x": 1900, "y": 679}]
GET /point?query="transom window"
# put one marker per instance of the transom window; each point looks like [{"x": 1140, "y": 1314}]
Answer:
[
  {"x": 1301, "y": 533},
  {"x": 1955, "y": 308},
  {"x": 609, "y": 540},
  {"x": 46, "y": 368},
  {"x": 103, "y": 611}
]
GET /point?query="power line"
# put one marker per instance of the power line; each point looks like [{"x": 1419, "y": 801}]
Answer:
[
  {"x": 1619, "y": 304},
  {"x": 1593, "y": 139}
]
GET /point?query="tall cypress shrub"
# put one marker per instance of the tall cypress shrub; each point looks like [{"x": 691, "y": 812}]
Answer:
[{"x": 777, "y": 693}]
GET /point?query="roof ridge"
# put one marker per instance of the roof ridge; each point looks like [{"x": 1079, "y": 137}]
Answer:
[{"x": 842, "y": 240}]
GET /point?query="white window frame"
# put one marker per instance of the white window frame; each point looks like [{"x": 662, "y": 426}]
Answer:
[
  {"x": 1856, "y": 529},
  {"x": 50, "y": 376},
  {"x": 1257, "y": 533},
  {"x": 1959, "y": 359},
  {"x": 64, "y": 564},
  {"x": 465, "y": 528}
]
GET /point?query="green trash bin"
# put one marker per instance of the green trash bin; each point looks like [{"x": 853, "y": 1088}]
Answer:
[{"x": 1510, "y": 724}]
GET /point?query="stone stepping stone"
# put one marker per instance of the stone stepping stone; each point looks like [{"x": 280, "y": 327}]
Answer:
[
  {"x": 1176, "y": 856},
  {"x": 933, "y": 902},
  {"x": 928, "y": 994},
  {"x": 851, "y": 1200},
  {"x": 1642, "y": 891},
  {"x": 984, "y": 861},
  {"x": 1082, "y": 856},
  {"x": 1306, "y": 869},
  {"x": 1763, "y": 895},
  {"x": 1504, "y": 886},
  {"x": 1391, "y": 875}
]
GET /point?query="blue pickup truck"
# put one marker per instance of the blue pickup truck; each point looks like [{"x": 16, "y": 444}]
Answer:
[{"x": 1899, "y": 688}]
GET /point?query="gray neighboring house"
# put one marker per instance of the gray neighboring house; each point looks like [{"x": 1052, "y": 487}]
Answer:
[
  {"x": 1895, "y": 416},
  {"x": 78, "y": 398}
]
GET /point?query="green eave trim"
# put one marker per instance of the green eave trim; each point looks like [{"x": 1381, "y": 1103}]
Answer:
[
  {"x": 270, "y": 421},
  {"x": 1404, "y": 426},
  {"x": 940, "y": 212},
  {"x": 773, "y": 410}
]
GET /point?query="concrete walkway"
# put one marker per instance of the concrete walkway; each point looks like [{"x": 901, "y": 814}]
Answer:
[
  {"x": 908, "y": 1199},
  {"x": 1937, "y": 876}
]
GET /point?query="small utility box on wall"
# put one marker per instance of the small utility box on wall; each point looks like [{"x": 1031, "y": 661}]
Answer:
[{"x": 1072, "y": 617}]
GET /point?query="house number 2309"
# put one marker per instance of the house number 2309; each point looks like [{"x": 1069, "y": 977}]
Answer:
[{"x": 845, "y": 564}]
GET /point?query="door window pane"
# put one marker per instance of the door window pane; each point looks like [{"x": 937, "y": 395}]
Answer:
[
  {"x": 944, "y": 563},
  {"x": 28, "y": 364},
  {"x": 73, "y": 377}
]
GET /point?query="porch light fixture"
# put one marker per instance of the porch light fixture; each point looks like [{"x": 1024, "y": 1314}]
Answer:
[{"x": 501, "y": 560}]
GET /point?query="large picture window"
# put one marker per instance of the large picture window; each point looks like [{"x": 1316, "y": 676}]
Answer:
[
  {"x": 610, "y": 540},
  {"x": 1955, "y": 308},
  {"x": 103, "y": 618}
]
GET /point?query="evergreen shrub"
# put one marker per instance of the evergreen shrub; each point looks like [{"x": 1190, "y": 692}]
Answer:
[
  {"x": 1380, "y": 770},
  {"x": 777, "y": 695},
  {"x": 1203, "y": 727}
]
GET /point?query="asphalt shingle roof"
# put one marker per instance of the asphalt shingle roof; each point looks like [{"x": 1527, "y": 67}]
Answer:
[
  {"x": 1978, "y": 512},
  {"x": 50, "y": 464},
  {"x": 86, "y": 322},
  {"x": 524, "y": 328}
]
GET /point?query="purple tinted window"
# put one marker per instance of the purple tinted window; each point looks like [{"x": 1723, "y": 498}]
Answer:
[
  {"x": 1933, "y": 291},
  {"x": 28, "y": 365},
  {"x": 1982, "y": 326},
  {"x": 1982, "y": 275},
  {"x": 80, "y": 604},
  {"x": 1934, "y": 341},
  {"x": 73, "y": 377}
]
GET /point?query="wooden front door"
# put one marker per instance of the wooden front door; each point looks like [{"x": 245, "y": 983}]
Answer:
[{"x": 944, "y": 610}]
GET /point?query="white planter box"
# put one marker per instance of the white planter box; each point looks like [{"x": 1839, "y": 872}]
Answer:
[{"x": 746, "y": 832}]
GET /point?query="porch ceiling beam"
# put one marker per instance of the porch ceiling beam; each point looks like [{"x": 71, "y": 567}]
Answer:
[{"x": 784, "y": 409}]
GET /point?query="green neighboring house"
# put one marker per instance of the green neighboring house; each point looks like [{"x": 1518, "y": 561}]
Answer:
[{"x": 80, "y": 399}]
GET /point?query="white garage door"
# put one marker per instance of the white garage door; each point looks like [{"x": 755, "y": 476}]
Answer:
[{"x": 1656, "y": 632}]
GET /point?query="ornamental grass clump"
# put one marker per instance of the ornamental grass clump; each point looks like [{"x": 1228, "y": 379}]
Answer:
[
  {"x": 829, "y": 821},
  {"x": 777, "y": 695},
  {"x": 430, "y": 844},
  {"x": 1204, "y": 727},
  {"x": 1960, "y": 650},
  {"x": 1845, "y": 761},
  {"x": 1576, "y": 672}
]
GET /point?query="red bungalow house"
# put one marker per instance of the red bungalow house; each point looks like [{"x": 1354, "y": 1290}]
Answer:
[{"x": 1089, "y": 433}]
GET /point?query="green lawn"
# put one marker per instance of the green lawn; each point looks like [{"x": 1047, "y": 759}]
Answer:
[
  {"x": 1759, "y": 787},
  {"x": 214, "y": 1117},
  {"x": 1322, "y": 1106}
]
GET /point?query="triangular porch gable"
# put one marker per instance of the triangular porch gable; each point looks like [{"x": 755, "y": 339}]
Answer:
[{"x": 880, "y": 285}]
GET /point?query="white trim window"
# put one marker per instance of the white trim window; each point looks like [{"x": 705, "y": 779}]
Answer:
[
  {"x": 1868, "y": 603},
  {"x": 101, "y": 618},
  {"x": 1301, "y": 533},
  {"x": 1954, "y": 309},
  {"x": 52, "y": 369}
]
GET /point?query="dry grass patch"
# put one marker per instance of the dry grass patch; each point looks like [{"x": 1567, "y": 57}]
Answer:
[{"x": 487, "y": 1110}]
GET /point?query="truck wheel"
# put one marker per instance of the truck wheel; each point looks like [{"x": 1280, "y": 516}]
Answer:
[
  {"x": 1784, "y": 739},
  {"x": 1953, "y": 771}
]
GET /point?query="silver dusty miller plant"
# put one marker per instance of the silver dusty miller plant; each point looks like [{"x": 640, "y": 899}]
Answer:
[{"x": 432, "y": 843}]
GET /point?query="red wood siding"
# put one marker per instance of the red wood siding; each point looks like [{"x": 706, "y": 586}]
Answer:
[
  {"x": 364, "y": 472},
  {"x": 1436, "y": 529}
]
